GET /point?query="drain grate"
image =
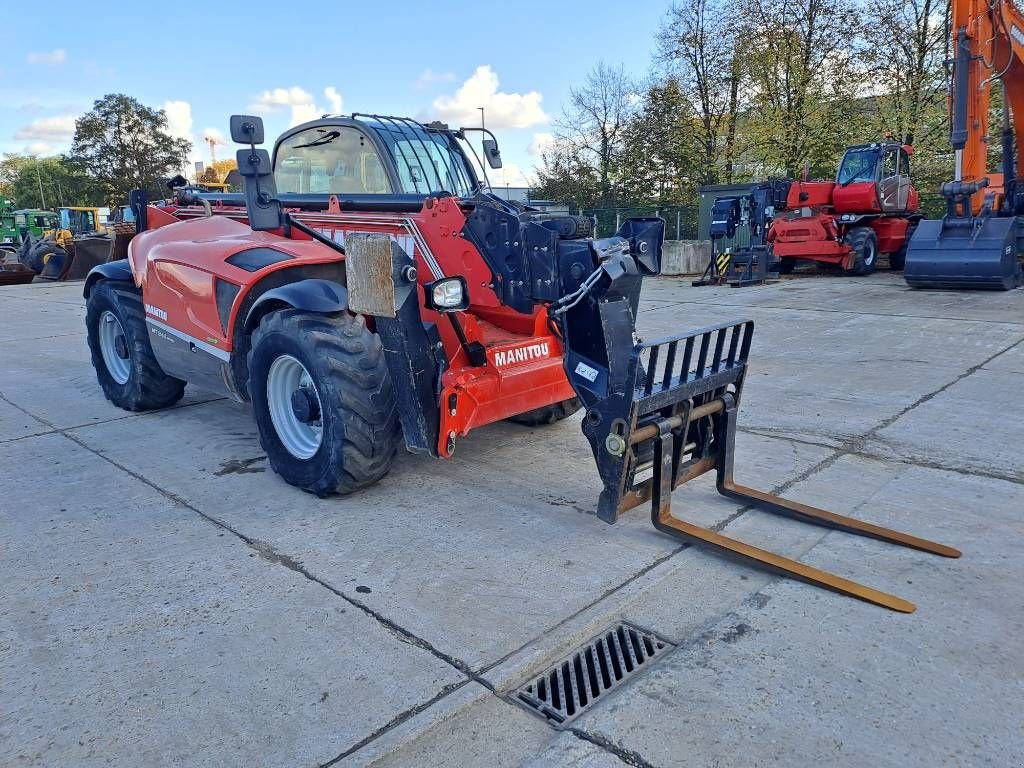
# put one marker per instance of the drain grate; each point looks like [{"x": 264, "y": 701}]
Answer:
[{"x": 570, "y": 687}]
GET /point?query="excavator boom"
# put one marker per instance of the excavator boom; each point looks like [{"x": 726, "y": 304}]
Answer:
[{"x": 978, "y": 241}]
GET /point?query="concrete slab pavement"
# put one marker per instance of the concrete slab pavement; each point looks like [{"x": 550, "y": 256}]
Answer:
[{"x": 426, "y": 600}]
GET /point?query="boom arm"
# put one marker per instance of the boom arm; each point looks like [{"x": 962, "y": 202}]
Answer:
[{"x": 988, "y": 43}]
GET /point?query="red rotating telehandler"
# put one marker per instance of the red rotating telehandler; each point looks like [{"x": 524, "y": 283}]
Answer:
[
  {"x": 367, "y": 292},
  {"x": 870, "y": 209}
]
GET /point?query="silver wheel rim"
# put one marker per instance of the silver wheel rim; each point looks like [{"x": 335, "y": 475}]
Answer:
[
  {"x": 869, "y": 253},
  {"x": 110, "y": 332},
  {"x": 286, "y": 375}
]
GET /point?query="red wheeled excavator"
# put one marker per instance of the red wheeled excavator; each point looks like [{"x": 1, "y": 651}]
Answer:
[
  {"x": 978, "y": 243},
  {"x": 367, "y": 293},
  {"x": 870, "y": 209}
]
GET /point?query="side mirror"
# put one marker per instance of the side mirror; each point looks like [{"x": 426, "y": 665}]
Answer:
[
  {"x": 246, "y": 129},
  {"x": 492, "y": 153}
]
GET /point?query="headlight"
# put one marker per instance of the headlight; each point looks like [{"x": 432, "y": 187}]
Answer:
[{"x": 448, "y": 294}]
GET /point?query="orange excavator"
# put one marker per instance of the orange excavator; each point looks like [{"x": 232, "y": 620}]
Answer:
[{"x": 978, "y": 242}]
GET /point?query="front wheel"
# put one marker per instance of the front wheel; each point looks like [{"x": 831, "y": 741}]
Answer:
[
  {"x": 126, "y": 368},
  {"x": 323, "y": 401},
  {"x": 786, "y": 265},
  {"x": 864, "y": 243}
]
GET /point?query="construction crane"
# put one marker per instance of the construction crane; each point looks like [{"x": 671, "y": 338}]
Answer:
[{"x": 978, "y": 241}]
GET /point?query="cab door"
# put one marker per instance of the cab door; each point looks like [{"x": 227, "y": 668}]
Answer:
[{"x": 894, "y": 180}]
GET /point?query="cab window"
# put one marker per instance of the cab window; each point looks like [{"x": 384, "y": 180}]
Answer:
[
  {"x": 329, "y": 160},
  {"x": 889, "y": 163},
  {"x": 904, "y": 163}
]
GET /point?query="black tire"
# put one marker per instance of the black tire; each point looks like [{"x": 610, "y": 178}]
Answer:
[
  {"x": 358, "y": 413},
  {"x": 786, "y": 265},
  {"x": 147, "y": 386},
  {"x": 548, "y": 414},
  {"x": 865, "y": 250}
]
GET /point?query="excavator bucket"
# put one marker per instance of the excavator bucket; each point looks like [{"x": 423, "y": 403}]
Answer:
[
  {"x": 670, "y": 418},
  {"x": 964, "y": 253}
]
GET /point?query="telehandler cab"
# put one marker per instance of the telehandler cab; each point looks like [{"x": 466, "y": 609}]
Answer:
[{"x": 367, "y": 291}]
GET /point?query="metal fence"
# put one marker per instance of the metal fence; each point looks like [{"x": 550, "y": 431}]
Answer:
[
  {"x": 690, "y": 222},
  {"x": 680, "y": 220}
]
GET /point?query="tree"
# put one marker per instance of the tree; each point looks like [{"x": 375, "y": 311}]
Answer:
[
  {"x": 46, "y": 182},
  {"x": 660, "y": 164},
  {"x": 588, "y": 138},
  {"x": 804, "y": 71},
  {"x": 123, "y": 145},
  {"x": 698, "y": 44}
]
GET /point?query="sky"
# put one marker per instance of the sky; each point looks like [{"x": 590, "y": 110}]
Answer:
[{"x": 293, "y": 61}]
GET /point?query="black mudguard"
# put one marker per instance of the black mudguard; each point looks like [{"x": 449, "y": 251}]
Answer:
[
  {"x": 324, "y": 297},
  {"x": 112, "y": 270}
]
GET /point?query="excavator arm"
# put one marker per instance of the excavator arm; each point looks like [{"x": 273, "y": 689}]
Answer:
[{"x": 978, "y": 241}]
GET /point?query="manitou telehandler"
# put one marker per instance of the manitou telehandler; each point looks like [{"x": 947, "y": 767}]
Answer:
[
  {"x": 979, "y": 242},
  {"x": 367, "y": 292},
  {"x": 870, "y": 209}
]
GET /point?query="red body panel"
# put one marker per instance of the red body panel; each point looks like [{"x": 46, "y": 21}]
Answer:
[
  {"x": 176, "y": 265},
  {"x": 809, "y": 194},
  {"x": 859, "y": 197},
  {"x": 815, "y": 237},
  {"x": 891, "y": 232}
]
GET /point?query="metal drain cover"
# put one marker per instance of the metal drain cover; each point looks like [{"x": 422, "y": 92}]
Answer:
[{"x": 570, "y": 687}]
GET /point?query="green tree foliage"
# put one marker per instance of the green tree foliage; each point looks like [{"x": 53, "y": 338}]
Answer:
[
  {"x": 123, "y": 145},
  {"x": 46, "y": 182},
  {"x": 698, "y": 46},
  {"x": 749, "y": 89},
  {"x": 803, "y": 76},
  {"x": 660, "y": 163},
  {"x": 589, "y": 139}
]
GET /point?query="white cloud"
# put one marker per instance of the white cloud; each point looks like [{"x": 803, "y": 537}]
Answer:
[
  {"x": 179, "y": 119},
  {"x": 179, "y": 125},
  {"x": 429, "y": 77},
  {"x": 299, "y": 100},
  {"x": 56, "y": 56},
  {"x": 212, "y": 134},
  {"x": 39, "y": 148},
  {"x": 334, "y": 99},
  {"x": 502, "y": 110},
  {"x": 510, "y": 175},
  {"x": 58, "y": 127},
  {"x": 541, "y": 143}
]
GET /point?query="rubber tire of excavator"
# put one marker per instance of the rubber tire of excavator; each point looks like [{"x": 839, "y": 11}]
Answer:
[
  {"x": 148, "y": 387},
  {"x": 786, "y": 265},
  {"x": 548, "y": 414},
  {"x": 345, "y": 360},
  {"x": 858, "y": 239}
]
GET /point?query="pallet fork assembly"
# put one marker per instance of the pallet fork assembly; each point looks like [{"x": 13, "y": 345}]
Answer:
[{"x": 674, "y": 419}]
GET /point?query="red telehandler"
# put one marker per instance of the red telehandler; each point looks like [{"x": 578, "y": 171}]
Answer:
[
  {"x": 367, "y": 292},
  {"x": 870, "y": 209}
]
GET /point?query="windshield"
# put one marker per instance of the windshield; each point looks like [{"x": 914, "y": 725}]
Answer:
[
  {"x": 329, "y": 160},
  {"x": 858, "y": 165},
  {"x": 426, "y": 160}
]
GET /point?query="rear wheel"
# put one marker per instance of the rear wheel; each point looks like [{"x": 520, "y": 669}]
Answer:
[
  {"x": 127, "y": 370},
  {"x": 786, "y": 265},
  {"x": 865, "y": 250},
  {"x": 323, "y": 401},
  {"x": 548, "y": 414},
  {"x": 898, "y": 260}
]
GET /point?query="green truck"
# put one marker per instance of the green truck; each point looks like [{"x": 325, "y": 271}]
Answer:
[{"x": 15, "y": 222}]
